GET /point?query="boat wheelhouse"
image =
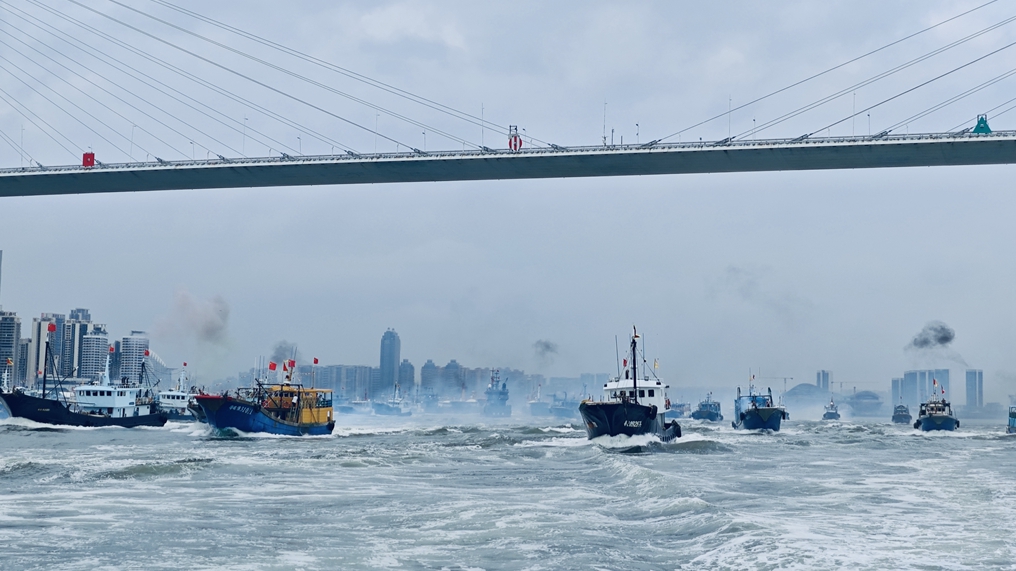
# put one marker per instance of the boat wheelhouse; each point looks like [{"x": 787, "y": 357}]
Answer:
[
  {"x": 708, "y": 409},
  {"x": 758, "y": 411},
  {"x": 832, "y": 412},
  {"x": 901, "y": 414},
  {"x": 497, "y": 396}
]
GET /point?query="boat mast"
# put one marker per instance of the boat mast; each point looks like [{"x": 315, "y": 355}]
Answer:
[
  {"x": 45, "y": 362},
  {"x": 634, "y": 365}
]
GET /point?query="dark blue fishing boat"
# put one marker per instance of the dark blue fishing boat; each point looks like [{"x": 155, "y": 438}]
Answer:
[
  {"x": 286, "y": 409},
  {"x": 630, "y": 406},
  {"x": 1011, "y": 428},
  {"x": 757, "y": 411},
  {"x": 708, "y": 410},
  {"x": 901, "y": 414},
  {"x": 936, "y": 414},
  {"x": 497, "y": 396}
]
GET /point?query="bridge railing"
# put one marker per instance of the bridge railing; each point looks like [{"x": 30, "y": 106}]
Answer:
[{"x": 504, "y": 153}]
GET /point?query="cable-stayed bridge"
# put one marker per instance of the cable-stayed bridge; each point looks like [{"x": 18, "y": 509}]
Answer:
[
  {"x": 947, "y": 149},
  {"x": 89, "y": 79}
]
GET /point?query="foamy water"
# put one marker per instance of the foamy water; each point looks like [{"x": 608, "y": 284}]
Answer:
[{"x": 431, "y": 494}]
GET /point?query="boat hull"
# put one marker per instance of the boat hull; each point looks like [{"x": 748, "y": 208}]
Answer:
[
  {"x": 711, "y": 416},
  {"x": 48, "y": 411},
  {"x": 902, "y": 419},
  {"x": 831, "y": 416},
  {"x": 937, "y": 422},
  {"x": 224, "y": 412},
  {"x": 616, "y": 418},
  {"x": 499, "y": 410},
  {"x": 760, "y": 419},
  {"x": 197, "y": 411}
]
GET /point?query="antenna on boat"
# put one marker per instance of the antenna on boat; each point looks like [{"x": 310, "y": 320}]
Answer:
[
  {"x": 634, "y": 364},
  {"x": 617, "y": 357}
]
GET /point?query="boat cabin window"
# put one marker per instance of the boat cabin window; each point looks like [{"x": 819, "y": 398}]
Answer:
[
  {"x": 642, "y": 393},
  {"x": 652, "y": 392},
  {"x": 631, "y": 394}
]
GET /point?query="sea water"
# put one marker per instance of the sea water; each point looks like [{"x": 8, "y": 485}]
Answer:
[{"x": 432, "y": 493}]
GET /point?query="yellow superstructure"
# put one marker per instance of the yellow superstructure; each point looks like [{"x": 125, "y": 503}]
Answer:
[{"x": 299, "y": 404}]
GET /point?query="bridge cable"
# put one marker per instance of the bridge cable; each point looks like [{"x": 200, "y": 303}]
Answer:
[
  {"x": 822, "y": 101},
  {"x": 185, "y": 75},
  {"x": 916, "y": 87},
  {"x": 819, "y": 74},
  {"x": 125, "y": 102},
  {"x": 58, "y": 106},
  {"x": 301, "y": 77},
  {"x": 5, "y": 97},
  {"x": 241, "y": 75},
  {"x": 999, "y": 106},
  {"x": 418, "y": 99},
  {"x": 953, "y": 99},
  {"x": 17, "y": 148}
]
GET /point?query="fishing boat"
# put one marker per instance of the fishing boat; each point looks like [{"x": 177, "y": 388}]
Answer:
[
  {"x": 832, "y": 412},
  {"x": 395, "y": 406},
  {"x": 630, "y": 406},
  {"x": 708, "y": 410},
  {"x": 756, "y": 411},
  {"x": 287, "y": 408},
  {"x": 178, "y": 403},
  {"x": 537, "y": 406},
  {"x": 1011, "y": 428},
  {"x": 128, "y": 403},
  {"x": 937, "y": 413},
  {"x": 901, "y": 414},
  {"x": 497, "y": 396}
]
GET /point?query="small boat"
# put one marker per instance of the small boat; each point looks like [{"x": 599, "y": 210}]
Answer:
[
  {"x": 125, "y": 404},
  {"x": 936, "y": 414},
  {"x": 708, "y": 410},
  {"x": 396, "y": 406},
  {"x": 630, "y": 406},
  {"x": 832, "y": 412},
  {"x": 178, "y": 403},
  {"x": 756, "y": 411},
  {"x": 287, "y": 409},
  {"x": 497, "y": 396},
  {"x": 901, "y": 414},
  {"x": 1011, "y": 428}
]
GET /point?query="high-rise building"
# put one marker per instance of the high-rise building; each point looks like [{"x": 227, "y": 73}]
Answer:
[
  {"x": 10, "y": 339},
  {"x": 897, "y": 391},
  {"x": 391, "y": 348},
  {"x": 451, "y": 379},
  {"x": 909, "y": 390},
  {"x": 22, "y": 364},
  {"x": 430, "y": 375},
  {"x": 73, "y": 333},
  {"x": 975, "y": 388},
  {"x": 407, "y": 377},
  {"x": 822, "y": 379},
  {"x": 94, "y": 352},
  {"x": 918, "y": 386},
  {"x": 80, "y": 314},
  {"x": 41, "y": 335},
  {"x": 56, "y": 340},
  {"x": 132, "y": 354}
]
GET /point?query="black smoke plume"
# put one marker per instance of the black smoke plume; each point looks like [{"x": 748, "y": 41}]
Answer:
[
  {"x": 545, "y": 350},
  {"x": 934, "y": 334}
]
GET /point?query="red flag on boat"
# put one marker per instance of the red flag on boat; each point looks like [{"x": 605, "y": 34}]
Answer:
[
  {"x": 315, "y": 360},
  {"x": 624, "y": 363},
  {"x": 284, "y": 369},
  {"x": 51, "y": 327},
  {"x": 292, "y": 364},
  {"x": 185, "y": 363},
  {"x": 147, "y": 353},
  {"x": 271, "y": 365},
  {"x": 111, "y": 349}
]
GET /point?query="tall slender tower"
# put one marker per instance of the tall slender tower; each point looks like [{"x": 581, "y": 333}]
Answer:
[{"x": 391, "y": 348}]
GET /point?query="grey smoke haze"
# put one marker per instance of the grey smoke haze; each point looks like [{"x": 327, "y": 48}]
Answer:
[
  {"x": 545, "y": 350},
  {"x": 934, "y": 334},
  {"x": 284, "y": 350},
  {"x": 205, "y": 321},
  {"x": 931, "y": 344}
]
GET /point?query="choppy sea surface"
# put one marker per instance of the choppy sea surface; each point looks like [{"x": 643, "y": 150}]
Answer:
[{"x": 432, "y": 493}]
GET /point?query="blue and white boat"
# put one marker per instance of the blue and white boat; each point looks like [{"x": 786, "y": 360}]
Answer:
[
  {"x": 708, "y": 410},
  {"x": 936, "y": 414},
  {"x": 756, "y": 411},
  {"x": 1011, "y": 428},
  {"x": 832, "y": 412}
]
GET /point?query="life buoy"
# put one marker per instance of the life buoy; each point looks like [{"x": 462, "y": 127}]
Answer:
[
  {"x": 667, "y": 402},
  {"x": 515, "y": 143}
]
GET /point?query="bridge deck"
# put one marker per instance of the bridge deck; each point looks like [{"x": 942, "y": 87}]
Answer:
[{"x": 703, "y": 157}]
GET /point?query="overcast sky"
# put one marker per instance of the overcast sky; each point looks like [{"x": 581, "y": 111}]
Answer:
[{"x": 787, "y": 272}]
